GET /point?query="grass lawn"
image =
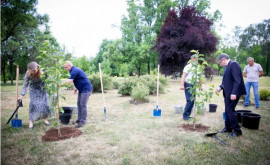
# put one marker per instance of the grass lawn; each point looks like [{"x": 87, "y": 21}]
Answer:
[{"x": 131, "y": 135}]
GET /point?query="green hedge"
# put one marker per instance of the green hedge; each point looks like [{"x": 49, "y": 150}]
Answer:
[
  {"x": 95, "y": 81},
  {"x": 149, "y": 81}
]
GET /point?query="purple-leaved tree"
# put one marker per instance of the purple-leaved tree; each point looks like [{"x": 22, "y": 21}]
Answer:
[{"x": 182, "y": 32}]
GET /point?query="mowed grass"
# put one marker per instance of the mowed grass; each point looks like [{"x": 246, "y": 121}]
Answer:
[{"x": 131, "y": 135}]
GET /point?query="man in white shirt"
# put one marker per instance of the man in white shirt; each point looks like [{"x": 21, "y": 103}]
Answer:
[
  {"x": 252, "y": 72},
  {"x": 185, "y": 83}
]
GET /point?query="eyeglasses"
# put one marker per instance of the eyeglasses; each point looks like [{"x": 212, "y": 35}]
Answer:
[{"x": 220, "y": 61}]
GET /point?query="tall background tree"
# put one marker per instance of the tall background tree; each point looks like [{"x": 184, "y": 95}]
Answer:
[
  {"x": 182, "y": 32},
  {"x": 19, "y": 22},
  {"x": 256, "y": 41},
  {"x": 140, "y": 28},
  {"x": 23, "y": 31}
]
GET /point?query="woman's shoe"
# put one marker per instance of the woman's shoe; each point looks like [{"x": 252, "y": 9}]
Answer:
[{"x": 31, "y": 127}]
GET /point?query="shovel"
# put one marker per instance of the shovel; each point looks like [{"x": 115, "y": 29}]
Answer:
[
  {"x": 16, "y": 122},
  {"x": 213, "y": 135},
  {"x": 157, "y": 111},
  {"x": 100, "y": 74}
]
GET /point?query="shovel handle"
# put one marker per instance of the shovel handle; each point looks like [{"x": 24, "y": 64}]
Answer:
[
  {"x": 222, "y": 142},
  {"x": 17, "y": 82},
  {"x": 13, "y": 114}
]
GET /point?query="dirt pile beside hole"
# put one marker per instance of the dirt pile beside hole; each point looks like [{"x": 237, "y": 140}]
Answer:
[
  {"x": 198, "y": 127},
  {"x": 66, "y": 133}
]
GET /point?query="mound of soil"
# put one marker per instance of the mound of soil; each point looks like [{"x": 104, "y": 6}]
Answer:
[
  {"x": 66, "y": 132},
  {"x": 198, "y": 127}
]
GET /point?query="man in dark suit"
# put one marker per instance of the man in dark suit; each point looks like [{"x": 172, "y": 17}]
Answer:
[{"x": 233, "y": 87}]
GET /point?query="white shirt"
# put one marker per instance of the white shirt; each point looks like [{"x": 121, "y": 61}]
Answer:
[
  {"x": 189, "y": 74},
  {"x": 253, "y": 72}
]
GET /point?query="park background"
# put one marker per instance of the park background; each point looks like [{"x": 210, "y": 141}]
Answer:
[{"x": 131, "y": 135}]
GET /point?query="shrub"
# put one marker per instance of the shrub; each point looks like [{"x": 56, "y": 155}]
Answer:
[
  {"x": 140, "y": 92},
  {"x": 264, "y": 93},
  {"x": 126, "y": 87},
  {"x": 149, "y": 80},
  {"x": 116, "y": 84},
  {"x": 163, "y": 80},
  {"x": 95, "y": 81}
]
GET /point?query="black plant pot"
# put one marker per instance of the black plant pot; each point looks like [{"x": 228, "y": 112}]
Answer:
[
  {"x": 212, "y": 107},
  {"x": 251, "y": 120},
  {"x": 65, "y": 118},
  {"x": 240, "y": 113},
  {"x": 67, "y": 109}
]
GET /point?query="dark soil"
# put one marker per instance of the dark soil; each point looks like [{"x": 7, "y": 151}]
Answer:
[
  {"x": 198, "y": 127},
  {"x": 66, "y": 132}
]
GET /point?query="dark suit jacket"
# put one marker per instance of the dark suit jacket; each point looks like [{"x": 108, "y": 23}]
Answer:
[{"x": 232, "y": 82}]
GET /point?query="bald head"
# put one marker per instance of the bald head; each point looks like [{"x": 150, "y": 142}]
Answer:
[{"x": 68, "y": 65}]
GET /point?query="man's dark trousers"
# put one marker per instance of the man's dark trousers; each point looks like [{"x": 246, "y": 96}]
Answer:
[
  {"x": 231, "y": 121},
  {"x": 190, "y": 103}
]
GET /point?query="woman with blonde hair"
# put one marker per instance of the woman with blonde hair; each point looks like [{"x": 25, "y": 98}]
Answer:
[{"x": 38, "y": 107}]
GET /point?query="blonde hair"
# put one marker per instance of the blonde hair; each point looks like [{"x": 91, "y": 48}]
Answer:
[{"x": 34, "y": 65}]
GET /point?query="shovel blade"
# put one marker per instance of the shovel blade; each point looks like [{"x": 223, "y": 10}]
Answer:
[
  {"x": 211, "y": 134},
  {"x": 16, "y": 123},
  {"x": 157, "y": 112}
]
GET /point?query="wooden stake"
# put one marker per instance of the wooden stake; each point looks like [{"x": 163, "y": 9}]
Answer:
[{"x": 17, "y": 82}]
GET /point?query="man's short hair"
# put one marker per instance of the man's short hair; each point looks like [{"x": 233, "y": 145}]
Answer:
[
  {"x": 250, "y": 58},
  {"x": 223, "y": 55},
  {"x": 68, "y": 62}
]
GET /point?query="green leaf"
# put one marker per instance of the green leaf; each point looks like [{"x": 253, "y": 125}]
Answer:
[
  {"x": 61, "y": 110},
  {"x": 63, "y": 98},
  {"x": 193, "y": 51},
  {"x": 205, "y": 63}
]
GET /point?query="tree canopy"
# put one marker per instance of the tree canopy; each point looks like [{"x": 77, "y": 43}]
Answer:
[
  {"x": 256, "y": 38},
  {"x": 180, "y": 33},
  {"x": 23, "y": 31}
]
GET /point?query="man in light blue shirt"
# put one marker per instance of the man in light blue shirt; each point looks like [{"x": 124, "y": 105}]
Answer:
[{"x": 252, "y": 72}]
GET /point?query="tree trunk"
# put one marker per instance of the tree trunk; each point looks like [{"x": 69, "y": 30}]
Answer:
[
  {"x": 267, "y": 63},
  {"x": 3, "y": 68},
  {"x": 148, "y": 67},
  {"x": 58, "y": 111},
  {"x": 139, "y": 71},
  {"x": 11, "y": 70}
]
